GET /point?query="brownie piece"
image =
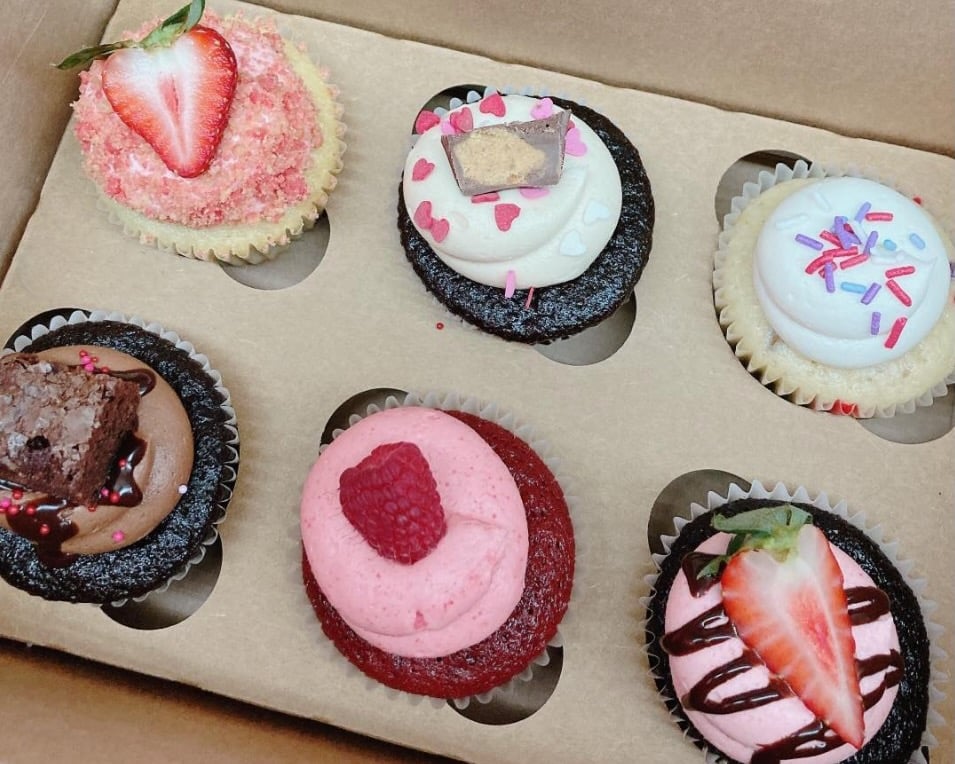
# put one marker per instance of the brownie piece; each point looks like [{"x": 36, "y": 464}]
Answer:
[{"x": 61, "y": 425}]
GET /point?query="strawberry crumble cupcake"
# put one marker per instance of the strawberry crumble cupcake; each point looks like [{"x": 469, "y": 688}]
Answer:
[
  {"x": 778, "y": 631},
  {"x": 438, "y": 550},
  {"x": 232, "y": 159}
]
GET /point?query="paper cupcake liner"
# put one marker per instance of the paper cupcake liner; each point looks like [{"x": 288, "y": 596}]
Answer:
[
  {"x": 781, "y": 493},
  {"x": 53, "y": 320},
  {"x": 788, "y": 377},
  {"x": 492, "y": 413}
]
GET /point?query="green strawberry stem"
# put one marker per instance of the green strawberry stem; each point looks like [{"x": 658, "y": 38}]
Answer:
[
  {"x": 165, "y": 34},
  {"x": 773, "y": 529}
]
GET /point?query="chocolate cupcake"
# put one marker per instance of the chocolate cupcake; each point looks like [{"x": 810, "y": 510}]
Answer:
[
  {"x": 530, "y": 218},
  {"x": 779, "y": 630},
  {"x": 438, "y": 549},
  {"x": 162, "y": 475}
]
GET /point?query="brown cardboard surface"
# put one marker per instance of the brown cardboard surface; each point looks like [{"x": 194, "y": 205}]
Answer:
[{"x": 671, "y": 400}]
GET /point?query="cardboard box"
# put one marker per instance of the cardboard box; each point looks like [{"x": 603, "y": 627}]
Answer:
[{"x": 672, "y": 399}]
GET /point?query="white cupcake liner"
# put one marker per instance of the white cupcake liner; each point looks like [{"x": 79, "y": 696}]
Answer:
[
  {"x": 906, "y": 568},
  {"x": 492, "y": 413},
  {"x": 766, "y": 369},
  {"x": 230, "y": 464}
]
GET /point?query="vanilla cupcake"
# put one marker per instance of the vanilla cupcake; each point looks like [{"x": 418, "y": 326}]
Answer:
[
  {"x": 836, "y": 292},
  {"x": 256, "y": 149}
]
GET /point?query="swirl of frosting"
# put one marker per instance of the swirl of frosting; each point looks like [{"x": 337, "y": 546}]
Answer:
[
  {"x": 850, "y": 273},
  {"x": 467, "y": 586},
  {"x": 739, "y": 729},
  {"x": 542, "y": 236}
]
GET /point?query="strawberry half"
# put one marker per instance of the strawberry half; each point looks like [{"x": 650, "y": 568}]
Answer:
[
  {"x": 174, "y": 88},
  {"x": 392, "y": 500},
  {"x": 783, "y": 591}
]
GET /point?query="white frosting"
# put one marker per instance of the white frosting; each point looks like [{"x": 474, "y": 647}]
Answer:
[
  {"x": 559, "y": 230},
  {"x": 836, "y": 327}
]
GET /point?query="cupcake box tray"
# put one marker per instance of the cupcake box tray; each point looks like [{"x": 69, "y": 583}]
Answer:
[{"x": 672, "y": 399}]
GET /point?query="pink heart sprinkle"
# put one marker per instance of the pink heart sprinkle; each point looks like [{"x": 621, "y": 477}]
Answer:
[
  {"x": 493, "y": 104},
  {"x": 491, "y": 197},
  {"x": 573, "y": 145},
  {"x": 439, "y": 229},
  {"x": 447, "y": 128},
  {"x": 534, "y": 192},
  {"x": 422, "y": 215},
  {"x": 462, "y": 121},
  {"x": 542, "y": 109},
  {"x": 425, "y": 121},
  {"x": 504, "y": 215},
  {"x": 422, "y": 169}
]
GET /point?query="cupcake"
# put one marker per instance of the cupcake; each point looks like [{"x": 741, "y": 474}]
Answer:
[
  {"x": 530, "y": 218},
  {"x": 235, "y": 159},
  {"x": 118, "y": 457},
  {"x": 438, "y": 550},
  {"x": 779, "y": 631},
  {"x": 836, "y": 292}
]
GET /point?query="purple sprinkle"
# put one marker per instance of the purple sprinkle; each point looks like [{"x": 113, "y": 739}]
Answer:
[
  {"x": 917, "y": 241},
  {"x": 951, "y": 270},
  {"x": 870, "y": 242},
  {"x": 860, "y": 215},
  {"x": 852, "y": 286},
  {"x": 871, "y": 292},
  {"x": 809, "y": 242},
  {"x": 830, "y": 281},
  {"x": 874, "y": 323},
  {"x": 839, "y": 229}
]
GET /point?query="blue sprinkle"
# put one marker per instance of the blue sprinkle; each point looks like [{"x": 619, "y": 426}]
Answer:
[
  {"x": 852, "y": 286},
  {"x": 889, "y": 245},
  {"x": 917, "y": 241}
]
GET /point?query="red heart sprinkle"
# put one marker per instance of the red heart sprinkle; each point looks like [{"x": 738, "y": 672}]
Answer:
[
  {"x": 493, "y": 104},
  {"x": 422, "y": 169},
  {"x": 439, "y": 229},
  {"x": 462, "y": 121},
  {"x": 422, "y": 215},
  {"x": 425, "y": 121},
  {"x": 491, "y": 197},
  {"x": 504, "y": 215}
]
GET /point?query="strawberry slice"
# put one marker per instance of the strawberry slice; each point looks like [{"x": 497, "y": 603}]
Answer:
[
  {"x": 174, "y": 88},
  {"x": 783, "y": 591}
]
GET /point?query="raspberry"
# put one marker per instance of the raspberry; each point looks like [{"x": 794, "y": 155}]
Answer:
[{"x": 391, "y": 499}]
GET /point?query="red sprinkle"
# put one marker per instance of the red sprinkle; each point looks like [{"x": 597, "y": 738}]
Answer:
[
  {"x": 905, "y": 270},
  {"x": 917, "y": 199},
  {"x": 30, "y": 509},
  {"x": 530, "y": 296},
  {"x": 818, "y": 263},
  {"x": 439, "y": 326},
  {"x": 13, "y": 511},
  {"x": 121, "y": 462},
  {"x": 851, "y": 261},
  {"x": 114, "y": 497},
  {"x": 830, "y": 237},
  {"x": 896, "y": 330},
  {"x": 899, "y": 292},
  {"x": 841, "y": 252},
  {"x": 44, "y": 530},
  {"x": 104, "y": 369},
  {"x": 17, "y": 494},
  {"x": 879, "y": 216}
]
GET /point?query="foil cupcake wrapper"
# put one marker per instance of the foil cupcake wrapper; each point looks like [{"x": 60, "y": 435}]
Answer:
[
  {"x": 56, "y": 319},
  {"x": 492, "y": 413},
  {"x": 918, "y": 585},
  {"x": 763, "y": 369}
]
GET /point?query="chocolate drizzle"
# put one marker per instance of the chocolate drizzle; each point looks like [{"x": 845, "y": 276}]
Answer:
[
  {"x": 866, "y": 605},
  {"x": 692, "y": 565},
  {"x": 121, "y": 484}
]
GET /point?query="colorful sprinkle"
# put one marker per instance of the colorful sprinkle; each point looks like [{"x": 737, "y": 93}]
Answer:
[
  {"x": 543, "y": 109},
  {"x": 874, "y": 322},
  {"x": 13, "y": 511},
  {"x": 439, "y": 326},
  {"x": 183, "y": 488},
  {"x": 878, "y": 216},
  {"x": 510, "y": 284},
  {"x": 899, "y": 292},
  {"x": 839, "y": 225},
  {"x": 530, "y": 296},
  {"x": 104, "y": 492},
  {"x": 851, "y": 262},
  {"x": 870, "y": 293},
  {"x": 30, "y": 510},
  {"x": 791, "y": 222},
  {"x": 574, "y": 144},
  {"x": 842, "y": 252},
  {"x": 852, "y": 286},
  {"x": 809, "y": 242},
  {"x": 889, "y": 245},
  {"x": 818, "y": 263},
  {"x": 870, "y": 242},
  {"x": 917, "y": 199},
  {"x": 118, "y": 536},
  {"x": 904, "y": 270},
  {"x": 492, "y": 104},
  {"x": 5, "y": 503},
  {"x": 917, "y": 241},
  {"x": 504, "y": 215},
  {"x": 830, "y": 237},
  {"x": 425, "y": 121},
  {"x": 860, "y": 215},
  {"x": 422, "y": 169},
  {"x": 493, "y": 196},
  {"x": 895, "y": 331},
  {"x": 44, "y": 529},
  {"x": 534, "y": 192},
  {"x": 830, "y": 281},
  {"x": 17, "y": 494},
  {"x": 852, "y": 234}
]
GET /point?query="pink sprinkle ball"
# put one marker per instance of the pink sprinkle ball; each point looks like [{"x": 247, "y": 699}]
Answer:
[
  {"x": 118, "y": 536},
  {"x": 183, "y": 489},
  {"x": 5, "y": 503}
]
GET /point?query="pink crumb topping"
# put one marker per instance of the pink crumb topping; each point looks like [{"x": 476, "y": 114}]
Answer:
[{"x": 258, "y": 170}]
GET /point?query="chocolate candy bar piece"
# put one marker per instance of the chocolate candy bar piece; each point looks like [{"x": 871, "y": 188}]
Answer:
[
  {"x": 513, "y": 155},
  {"x": 60, "y": 426}
]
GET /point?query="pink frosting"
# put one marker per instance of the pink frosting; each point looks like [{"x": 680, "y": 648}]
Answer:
[
  {"x": 739, "y": 734},
  {"x": 258, "y": 170},
  {"x": 467, "y": 586}
]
